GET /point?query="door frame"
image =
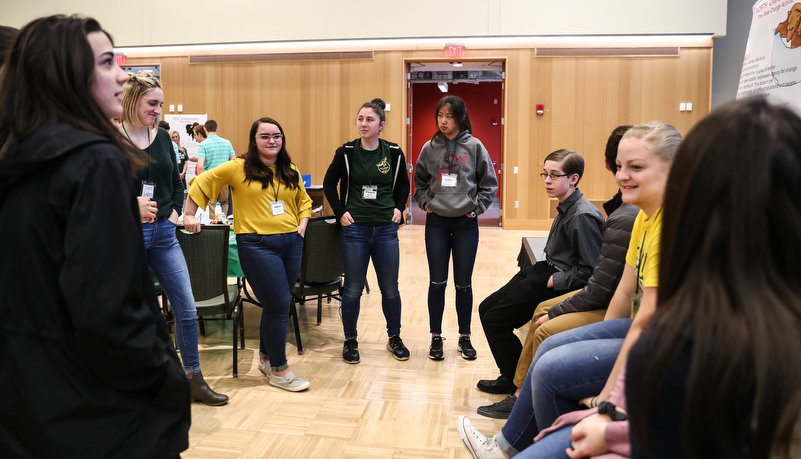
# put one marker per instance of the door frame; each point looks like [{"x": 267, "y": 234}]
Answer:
[{"x": 408, "y": 112}]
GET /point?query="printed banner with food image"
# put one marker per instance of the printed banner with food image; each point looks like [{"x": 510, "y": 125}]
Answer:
[{"x": 772, "y": 63}]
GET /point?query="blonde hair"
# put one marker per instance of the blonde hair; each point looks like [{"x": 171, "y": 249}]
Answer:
[
  {"x": 661, "y": 138},
  {"x": 132, "y": 92}
]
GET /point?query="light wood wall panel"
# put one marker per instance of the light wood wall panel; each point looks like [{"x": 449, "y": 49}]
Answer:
[{"x": 585, "y": 98}]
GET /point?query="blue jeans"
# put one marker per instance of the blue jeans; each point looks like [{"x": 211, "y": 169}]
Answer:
[
  {"x": 271, "y": 264},
  {"x": 360, "y": 243},
  {"x": 567, "y": 367},
  {"x": 446, "y": 235},
  {"x": 166, "y": 260},
  {"x": 553, "y": 446}
]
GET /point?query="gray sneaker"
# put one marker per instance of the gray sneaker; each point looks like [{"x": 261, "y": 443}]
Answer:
[
  {"x": 290, "y": 381},
  {"x": 265, "y": 368}
]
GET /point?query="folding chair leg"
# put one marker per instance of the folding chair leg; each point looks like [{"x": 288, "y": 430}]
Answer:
[
  {"x": 241, "y": 324},
  {"x": 293, "y": 312},
  {"x": 319, "y": 310},
  {"x": 236, "y": 329},
  {"x": 202, "y": 326}
]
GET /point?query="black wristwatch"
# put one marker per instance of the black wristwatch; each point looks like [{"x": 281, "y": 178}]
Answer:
[{"x": 610, "y": 410}]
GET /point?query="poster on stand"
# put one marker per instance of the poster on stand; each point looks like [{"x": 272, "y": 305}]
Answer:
[
  {"x": 772, "y": 62},
  {"x": 183, "y": 123}
]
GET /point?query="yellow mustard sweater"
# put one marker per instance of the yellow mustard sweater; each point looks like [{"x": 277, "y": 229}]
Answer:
[{"x": 252, "y": 203}]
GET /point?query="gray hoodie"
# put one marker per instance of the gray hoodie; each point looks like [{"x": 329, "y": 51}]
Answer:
[{"x": 465, "y": 157}]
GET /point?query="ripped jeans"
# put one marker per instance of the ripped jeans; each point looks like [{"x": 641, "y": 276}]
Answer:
[{"x": 446, "y": 236}]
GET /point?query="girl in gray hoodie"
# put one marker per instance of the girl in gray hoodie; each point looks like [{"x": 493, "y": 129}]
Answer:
[{"x": 454, "y": 182}]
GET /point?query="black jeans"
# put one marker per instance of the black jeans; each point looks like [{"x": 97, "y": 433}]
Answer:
[
  {"x": 512, "y": 307},
  {"x": 446, "y": 236}
]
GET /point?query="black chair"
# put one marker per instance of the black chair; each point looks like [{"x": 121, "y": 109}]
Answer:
[
  {"x": 321, "y": 269},
  {"x": 206, "y": 256}
]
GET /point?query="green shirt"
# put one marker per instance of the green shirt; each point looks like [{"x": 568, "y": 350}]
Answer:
[{"x": 371, "y": 176}]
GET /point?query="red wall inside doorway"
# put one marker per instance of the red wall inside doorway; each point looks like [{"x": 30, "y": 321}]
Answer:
[{"x": 482, "y": 108}]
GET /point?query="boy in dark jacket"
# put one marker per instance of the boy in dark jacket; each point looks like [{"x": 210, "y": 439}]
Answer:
[{"x": 571, "y": 253}]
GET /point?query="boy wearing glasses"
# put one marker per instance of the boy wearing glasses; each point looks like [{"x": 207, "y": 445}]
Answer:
[{"x": 571, "y": 253}]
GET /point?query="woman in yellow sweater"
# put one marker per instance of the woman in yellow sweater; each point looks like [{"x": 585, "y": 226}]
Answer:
[{"x": 270, "y": 217}]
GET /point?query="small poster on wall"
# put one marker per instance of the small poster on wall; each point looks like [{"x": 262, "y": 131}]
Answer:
[
  {"x": 772, "y": 63},
  {"x": 183, "y": 123}
]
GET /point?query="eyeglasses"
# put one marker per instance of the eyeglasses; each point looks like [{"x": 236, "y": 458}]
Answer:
[
  {"x": 552, "y": 176},
  {"x": 267, "y": 137}
]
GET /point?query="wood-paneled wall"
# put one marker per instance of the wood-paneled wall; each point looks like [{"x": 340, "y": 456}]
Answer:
[{"x": 585, "y": 98}]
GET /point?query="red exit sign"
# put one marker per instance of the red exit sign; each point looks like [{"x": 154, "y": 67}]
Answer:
[{"x": 455, "y": 50}]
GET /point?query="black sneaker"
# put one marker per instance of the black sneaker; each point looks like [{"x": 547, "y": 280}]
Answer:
[
  {"x": 435, "y": 350},
  {"x": 499, "y": 410},
  {"x": 350, "y": 351},
  {"x": 399, "y": 351},
  {"x": 466, "y": 348}
]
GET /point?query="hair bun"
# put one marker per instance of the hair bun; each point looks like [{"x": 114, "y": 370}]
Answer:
[{"x": 379, "y": 102}]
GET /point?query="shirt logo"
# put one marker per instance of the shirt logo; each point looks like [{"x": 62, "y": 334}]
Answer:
[
  {"x": 453, "y": 164},
  {"x": 383, "y": 166}
]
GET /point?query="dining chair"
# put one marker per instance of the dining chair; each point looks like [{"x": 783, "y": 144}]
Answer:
[
  {"x": 206, "y": 256},
  {"x": 321, "y": 270}
]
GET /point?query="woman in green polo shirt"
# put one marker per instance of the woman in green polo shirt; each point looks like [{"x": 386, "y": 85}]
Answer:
[{"x": 373, "y": 189}]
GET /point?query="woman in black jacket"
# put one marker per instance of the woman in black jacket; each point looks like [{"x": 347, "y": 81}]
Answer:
[
  {"x": 373, "y": 190},
  {"x": 88, "y": 368}
]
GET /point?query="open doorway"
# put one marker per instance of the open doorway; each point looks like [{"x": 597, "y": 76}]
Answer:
[{"x": 480, "y": 85}]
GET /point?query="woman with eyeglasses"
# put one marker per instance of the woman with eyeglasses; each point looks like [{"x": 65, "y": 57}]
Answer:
[
  {"x": 373, "y": 190},
  {"x": 270, "y": 217},
  {"x": 454, "y": 183},
  {"x": 88, "y": 368},
  {"x": 161, "y": 196}
]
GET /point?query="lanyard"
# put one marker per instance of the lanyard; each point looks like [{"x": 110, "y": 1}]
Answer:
[
  {"x": 122, "y": 123},
  {"x": 369, "y": 167}
]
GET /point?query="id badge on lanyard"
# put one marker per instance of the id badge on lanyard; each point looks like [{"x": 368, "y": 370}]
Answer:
[
  {"x": 148, "y": 189},
  {"x": 277, "y": 207},
  {"x": 449, "y": 180},
  {"x": 369, "y": 191}
]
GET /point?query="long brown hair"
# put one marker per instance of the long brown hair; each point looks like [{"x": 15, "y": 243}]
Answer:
[
  {"x": 255, "y": 170},
  {"x": 729, "y": 288},
  {"x": 48, "y": 77}
]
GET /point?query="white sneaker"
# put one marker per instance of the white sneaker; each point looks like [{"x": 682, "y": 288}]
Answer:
[
  {"x": 290, "y": 381},
  {"x": 265, "y": 368},
  {"x": 479, "y": 446}
]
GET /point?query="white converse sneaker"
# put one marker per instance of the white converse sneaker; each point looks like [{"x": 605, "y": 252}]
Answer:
[
  {"x": 479, "y": 446},
  {"x": 290, "y": 381}
]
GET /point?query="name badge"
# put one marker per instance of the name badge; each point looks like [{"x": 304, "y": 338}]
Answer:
[
  {"x": 449, "y": 180},
  {"x": 369, "y": 191},
  {"x": 148, "y": 189},
  {"x": 277, "y": 207}
]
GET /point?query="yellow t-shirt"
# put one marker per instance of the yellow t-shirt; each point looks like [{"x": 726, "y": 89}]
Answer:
[
  {"x": 643, "y": 253},
  {"x": 252, "y": 212}
]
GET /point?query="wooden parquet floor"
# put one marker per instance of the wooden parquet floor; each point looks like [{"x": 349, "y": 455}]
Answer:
[{"x": 379, "y": 408}]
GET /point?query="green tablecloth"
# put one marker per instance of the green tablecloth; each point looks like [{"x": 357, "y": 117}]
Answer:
[{"x": 234, "y": 268}]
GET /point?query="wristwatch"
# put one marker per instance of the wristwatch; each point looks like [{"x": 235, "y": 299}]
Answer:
[
  {"x": 610, "y": 410},
  {"x": 472, "y": 214}
]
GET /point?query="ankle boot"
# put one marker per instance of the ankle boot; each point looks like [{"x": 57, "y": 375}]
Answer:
[{"x": 201, "y": 392}]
